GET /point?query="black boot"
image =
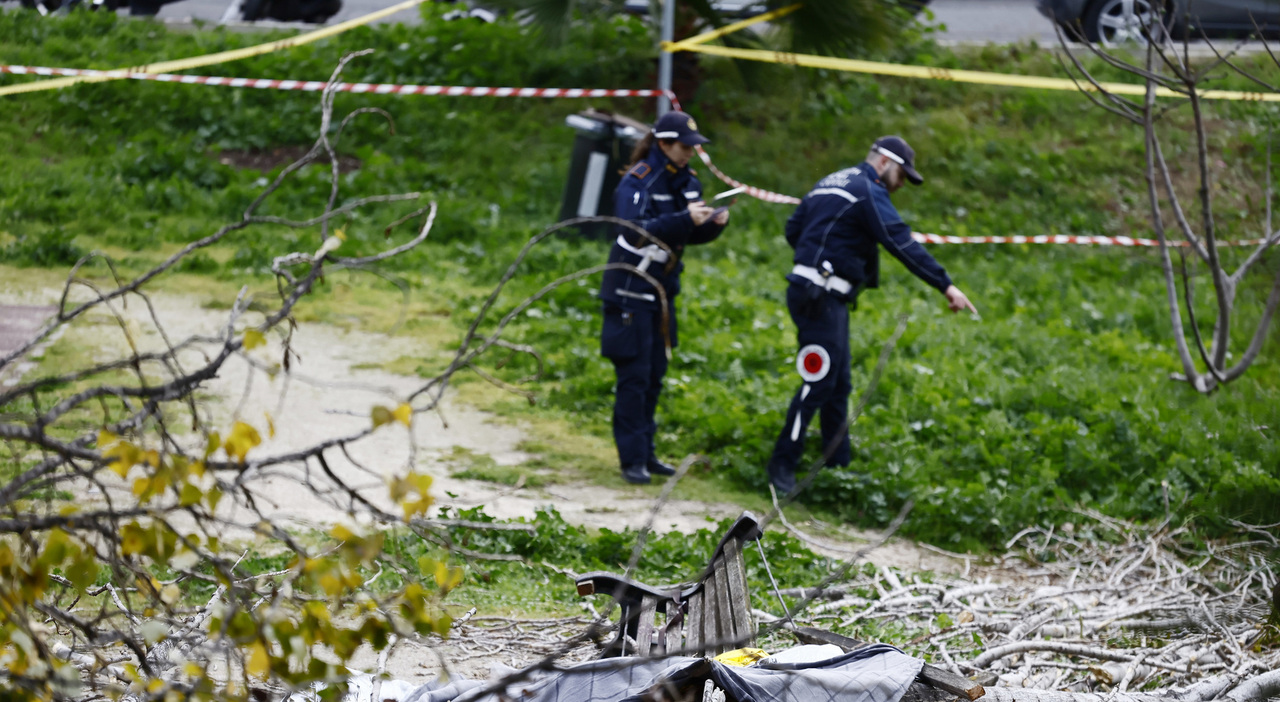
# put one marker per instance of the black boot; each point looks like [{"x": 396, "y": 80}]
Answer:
[
  {"x": 783, "y": 479},
  {"x": 636, "y": 474},
  {"x": 657, "y": 467}
]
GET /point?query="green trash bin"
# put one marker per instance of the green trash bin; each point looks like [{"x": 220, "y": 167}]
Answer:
[{"x": 601, "y": 149}]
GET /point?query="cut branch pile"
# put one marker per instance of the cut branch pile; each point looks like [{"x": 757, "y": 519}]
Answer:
[{"x": 1103, "y": 606}]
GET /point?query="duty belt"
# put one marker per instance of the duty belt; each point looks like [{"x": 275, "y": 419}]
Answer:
[
  {"x": 652, "y": 252},
  {"x": 832, "y": 283},
  {"x": 649, "y": 253}
]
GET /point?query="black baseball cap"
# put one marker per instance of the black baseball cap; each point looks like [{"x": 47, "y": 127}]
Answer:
[
  {"x": 901, "y": 153},
  {"x": 679, "y": 126}
]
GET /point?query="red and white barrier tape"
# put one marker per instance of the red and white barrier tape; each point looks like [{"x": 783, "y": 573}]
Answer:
[
  {"x": 753, "y": 191},
  {"x": 318, "y": 85},
  {"x": 758, "y": 193},
  {"x": 1063, "y": 239},
  {"x": 458, "y": 90}
]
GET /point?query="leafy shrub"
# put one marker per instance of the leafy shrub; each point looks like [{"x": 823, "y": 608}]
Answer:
[{"x": 48, "y": 248}]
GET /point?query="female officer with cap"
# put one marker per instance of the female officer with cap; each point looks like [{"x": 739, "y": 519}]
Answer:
[{"x": 660, "y": 194}]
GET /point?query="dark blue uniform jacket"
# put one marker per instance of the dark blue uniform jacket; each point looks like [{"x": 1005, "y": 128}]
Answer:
[
  {"x": 839, "y": 224},
  {"x": 655, "y": 195}
]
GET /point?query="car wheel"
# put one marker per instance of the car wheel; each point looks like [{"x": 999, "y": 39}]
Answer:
[
  {"x": 252, "y": 10},
  {"x": 1112, "y": 22},
  {"x": 44, "y": 7},
  {"x": 913, "y": 6}
]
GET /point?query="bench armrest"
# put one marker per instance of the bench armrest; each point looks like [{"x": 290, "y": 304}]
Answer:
[{"x": 625, "y": 590}]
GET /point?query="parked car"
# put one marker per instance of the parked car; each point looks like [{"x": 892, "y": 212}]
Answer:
[
  {"x": 737, "y": 9},
  {"x": 1119, "y": 21},
  {"x": 313, "y": 11},
  {"x": 136, "y": 7}
]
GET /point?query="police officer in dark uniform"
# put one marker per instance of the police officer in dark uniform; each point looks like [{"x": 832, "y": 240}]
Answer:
[
  {"x": 661, "y": 194},
  {"x": 835, "y": 231}
]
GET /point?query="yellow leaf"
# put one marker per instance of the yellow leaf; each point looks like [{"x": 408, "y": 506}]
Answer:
[
  {"x": 169, "y": 594},
  {"x": 418, "y": 506},
  {"x": 243, "y": 438},
  {"x": 213, "y": 497},
  {"x": 189, "y": 495},
  {"x": 403, "y": 414},
  {"x": 106, "y": 438},
  {"x": 441, "y": 573},
  {"x": 381, "y": 415},
  {"x": 342, "y": 533},
  {"x": 421, "y": 481},
  {"x": 331, "y": 584},
  {"x": 122, "y": 456},
  {"x": 141, "y": 486},
  {"x": 455, "y": 578},
  {"x": 132, "y": 539},
  {"x": 426, "y": 564},
  {"x": 271, "y": 425},
  {"x": 413, "y": 482},
  {"x": 212, "y": 443},
  {"x": 259, "y": 662},
  {"x": 253, "y": 339}
]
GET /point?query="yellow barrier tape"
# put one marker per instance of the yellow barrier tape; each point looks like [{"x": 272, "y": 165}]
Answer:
[
  {"x": 731, "y": 28},
  {"x": 957, "y": 75},
  {"x": 210, "y": 59}
]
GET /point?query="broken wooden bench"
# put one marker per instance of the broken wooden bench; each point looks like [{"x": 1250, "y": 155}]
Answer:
[
  {"x": 705, "y": 618},
  {"x": 712, "y": 615}
]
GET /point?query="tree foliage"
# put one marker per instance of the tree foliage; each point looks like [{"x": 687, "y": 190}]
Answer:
[{"x": 137, "y": 593}]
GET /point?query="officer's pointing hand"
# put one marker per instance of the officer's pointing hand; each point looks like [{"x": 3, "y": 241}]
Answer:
[
  {"x": 700, "y": 213},
  {"x": 957, "y": 300}
]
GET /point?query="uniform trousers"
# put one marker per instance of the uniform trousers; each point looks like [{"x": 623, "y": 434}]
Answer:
[
  {"x": 821, "y": 320},
  {"x": 632, "y": 339}
]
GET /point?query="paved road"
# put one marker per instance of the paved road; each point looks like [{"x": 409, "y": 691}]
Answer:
[
  {"x": 1001, "y": 21},
  {"x": 964, "y": 20}
]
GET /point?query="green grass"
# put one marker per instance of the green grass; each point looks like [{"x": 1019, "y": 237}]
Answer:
[
  {"x": 476, "y": 466},
  {"x": 1058, "y": 399}
]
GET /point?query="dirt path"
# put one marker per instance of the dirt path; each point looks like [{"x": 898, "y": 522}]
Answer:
[
  {"x": 333, "y": 386},
  {"x": 330, "y": 392}
]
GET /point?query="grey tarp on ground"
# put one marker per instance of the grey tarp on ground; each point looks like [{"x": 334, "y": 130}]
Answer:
[{"x": 876, "y": 673}]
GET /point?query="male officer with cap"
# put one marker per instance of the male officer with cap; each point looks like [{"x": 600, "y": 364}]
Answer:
[
  {"x": 661, "y": 194},
  {"x": 835, "y": 231}
]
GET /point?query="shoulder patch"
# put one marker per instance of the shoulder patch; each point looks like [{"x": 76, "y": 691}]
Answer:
[{"x": 639, "y": 170}]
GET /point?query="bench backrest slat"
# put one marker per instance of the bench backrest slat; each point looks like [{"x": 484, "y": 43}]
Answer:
[
  {"x": 723, "y": 608},
  {"x": 644, "y": 635},
  {"x": 744, "y": 628},
  {"x": 674, "y": 634},
  {"x": 693, "y": 630},
  {"x": 717, "y": 607}
]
